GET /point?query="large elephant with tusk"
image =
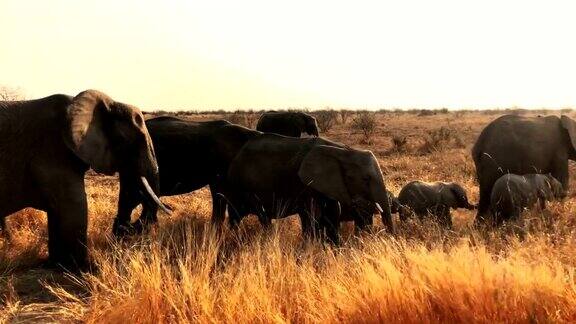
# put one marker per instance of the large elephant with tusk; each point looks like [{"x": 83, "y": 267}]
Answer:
[
  {"x": 48, "y": 145},
  {"x": 190, "y": 156}
]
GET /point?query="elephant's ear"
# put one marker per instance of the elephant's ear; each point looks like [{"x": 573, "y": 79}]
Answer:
[
  {"x": 85, "y": 133},
  {"x": 570, "y": 126},
  {"x": 321, "y": 170}
]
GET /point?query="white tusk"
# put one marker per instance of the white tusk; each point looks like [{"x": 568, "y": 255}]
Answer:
[
  {"x": 379, "y": 208},
  {"x": 151, "y": 193}
]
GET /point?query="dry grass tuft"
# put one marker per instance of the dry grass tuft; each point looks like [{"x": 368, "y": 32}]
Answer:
[{"x": 439, "y": 139}]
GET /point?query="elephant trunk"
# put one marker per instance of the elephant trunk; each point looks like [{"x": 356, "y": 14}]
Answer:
[
  {"x": 149, "y": 175},
  {"x": 383, "y": 205},
  {"x": 142, "y": 169},
  {"x": 313, "y": 131}
]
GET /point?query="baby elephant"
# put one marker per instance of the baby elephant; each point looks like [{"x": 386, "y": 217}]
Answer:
[
  {"x": 432, "y": 198},
  {"x": 512, "y": 193}
]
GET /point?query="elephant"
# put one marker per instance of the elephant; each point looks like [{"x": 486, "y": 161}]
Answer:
[
  {"x": 432, "y": 198},
  {"x": 275, "y": 176},
  {"x": 190, "y": 156},
  {"x": 522, "y": 145},
  {"x": 512, "y": 193},
  {"x": 48, "y": 145},
  {"x": 292, "y": 124}
]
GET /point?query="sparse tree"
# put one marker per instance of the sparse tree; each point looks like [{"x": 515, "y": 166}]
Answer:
[
  {"x": 326, "y": 119},
  {"x": 344, "y": 115},
  {"x": 365, "y": 122}
]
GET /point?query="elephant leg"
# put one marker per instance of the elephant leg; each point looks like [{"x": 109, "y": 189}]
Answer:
[
  {"x": 266, "y": 222},
  {"x": 63, "y": 197},
  {"x": 218, "y": 207},
  {"x": 484, "y": 202},
  {"x": 67, "y": 227},
  {"x": 330, "y": 219},
  {"x": 445, "y": 217},
  {"x": 308, "y": 219},
  {"x": 233, "y": 220},
  {"x": 560, "y": 172},
  {"x": 129, "y": 198},
  {"x": 236, "y": 211},
  {"x": 308, "y": 225},
  {"x": 403, "y": 213},
  {"x": 234, "y": 217}
]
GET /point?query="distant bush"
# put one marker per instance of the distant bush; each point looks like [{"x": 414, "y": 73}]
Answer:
[
  {"x": 426, "y": 112},
  {"x": 432, "y": 112},
  {"x": 345, "y": 114},
  {"x": 161, "y": 113},
  {"x": 186, "y": 113},
  {"x": 365, "y": 122},
  {"x": 399, "y": 143},
  {"x": 440, "y": 138},
  {"x": 326, "y": 119}
]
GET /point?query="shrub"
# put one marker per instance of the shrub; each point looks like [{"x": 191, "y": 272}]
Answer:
[
  {"x": 326, "y": 119},
  {"x": 399, "y": 143},
  {"x": 439, "y": 138},
  {"x": 344, "y": 115},
  {"x": 365, "y": 122},
  {"x": 426, "y": 112}
]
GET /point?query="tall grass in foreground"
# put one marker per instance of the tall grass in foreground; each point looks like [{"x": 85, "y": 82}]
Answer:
[{"x": 187, "y": 274}]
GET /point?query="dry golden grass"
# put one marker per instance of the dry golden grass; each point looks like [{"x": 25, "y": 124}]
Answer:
[{"x": 181, "y": 272}]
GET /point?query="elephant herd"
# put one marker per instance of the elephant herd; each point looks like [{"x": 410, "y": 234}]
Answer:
[{"x": 48, "y": 144}]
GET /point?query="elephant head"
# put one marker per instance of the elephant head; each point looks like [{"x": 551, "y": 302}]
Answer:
[
  {"x": 111, "y": 137},
  {"x": 556, "y": 188},
  {"x": 570, "y": 126},
  {"x": 456, "y": 197},
  {"x": 307, "y": 123},
  {"x": 351, "y": 177}
]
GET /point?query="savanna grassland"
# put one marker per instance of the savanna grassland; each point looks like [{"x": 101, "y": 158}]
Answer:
[{"x": 182, "y": 272}]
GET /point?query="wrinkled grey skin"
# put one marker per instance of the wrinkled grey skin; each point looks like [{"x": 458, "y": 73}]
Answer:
[
  {"x": 432, "y": 198},
  {"x": 190, "y": 156},
  {"x": 275, "y": 176},
  {"x": 522, "y": 145},
  {"x": 513, "y": 193},
  {"x": 48, "y": 145},
  {"x": 288, "y": 123}
]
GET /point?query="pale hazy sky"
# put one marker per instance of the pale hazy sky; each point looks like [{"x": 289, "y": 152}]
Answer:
[{"x": 269, "y": 54}]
